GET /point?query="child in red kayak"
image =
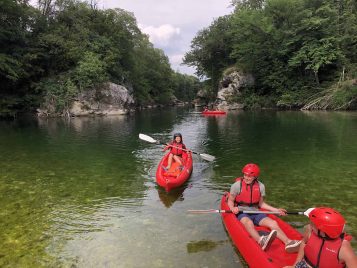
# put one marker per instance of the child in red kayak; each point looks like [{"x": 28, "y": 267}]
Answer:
[
  {"x": 324, "y": 244},
  {"x": 249, "y": 192},
  {"x": 176, "y": 148}
]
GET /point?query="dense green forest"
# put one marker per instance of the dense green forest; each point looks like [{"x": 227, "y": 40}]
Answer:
[
  {"x": 302, "y": 53},
  {"x": 62, "y": 47}
]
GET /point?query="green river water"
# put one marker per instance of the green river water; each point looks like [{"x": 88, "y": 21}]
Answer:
[{"x": 82, "y": 192}]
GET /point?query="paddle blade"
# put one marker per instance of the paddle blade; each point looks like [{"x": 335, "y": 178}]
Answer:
[
  {"x": 307, "y": 212},
  {"x": 207, "y": 157},
  {"x": 147, "y": 138}
]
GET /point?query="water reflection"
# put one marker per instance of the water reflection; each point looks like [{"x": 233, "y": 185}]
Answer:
[
  {"x": 168, "y": 198},
  {"x": 82, "y": 193}
]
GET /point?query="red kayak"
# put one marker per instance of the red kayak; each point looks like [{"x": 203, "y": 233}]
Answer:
[
  {"x": 176, "y": 175},
  {"x": 275, "y": 256},
  {"x": 213, "y": 112}
]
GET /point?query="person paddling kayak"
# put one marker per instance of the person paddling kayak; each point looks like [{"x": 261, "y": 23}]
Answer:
[
  {"x": 176, "y": 147},
  {"x": 325, "y": 245},
  {"x": 248, "y": 191}
]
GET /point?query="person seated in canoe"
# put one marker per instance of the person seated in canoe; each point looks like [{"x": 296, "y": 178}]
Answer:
[
  {"x": 205, "y": 109},
  {"x": 176, "y": 148},
  {"x": 325, "y": 245},
  {"x": 248, "y": 191}
]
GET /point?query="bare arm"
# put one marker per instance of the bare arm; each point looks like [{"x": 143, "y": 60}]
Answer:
[
  {"x": 306, "y": 236},
  {"x": 264, "y": 205},
  {"x": 347, "y": 254},
  {"x": 231, "y": 206},
  {"x": 307, "y": 233},
  {"x": 167, "y": 147}
]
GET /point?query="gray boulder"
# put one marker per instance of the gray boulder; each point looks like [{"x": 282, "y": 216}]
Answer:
[
  {"x": 230, "y": 89},
  {"x": 109, "y": 99}
]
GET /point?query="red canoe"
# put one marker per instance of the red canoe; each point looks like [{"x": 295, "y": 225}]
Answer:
[
  {"x": 275, "y": 256},
  {"x": 213, "y": 112},
  {"x": 175, "y": 176}
]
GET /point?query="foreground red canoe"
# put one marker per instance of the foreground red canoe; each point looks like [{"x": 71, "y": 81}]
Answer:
[
  {"x": 175, "y": 176},
  {"x": 213, "y": 112},
  {"x": 275, "y": 256}
]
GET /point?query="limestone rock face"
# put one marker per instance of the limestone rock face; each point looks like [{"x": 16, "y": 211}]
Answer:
[
  {"x": 229, "y": 89},
  {"x": 109, "y": 99},
  {"x": 201, "y": 98}
]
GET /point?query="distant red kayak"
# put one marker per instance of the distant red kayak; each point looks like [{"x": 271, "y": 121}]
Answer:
[
  {"x": 213, "y": 112},
  {"x": 275, "y": 256},
  {"x": 175, "y": 176}
]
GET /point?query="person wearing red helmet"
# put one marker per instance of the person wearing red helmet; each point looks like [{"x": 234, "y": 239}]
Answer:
[
  {"x": 248, "y": 191},
  {"x": 176, "y": 147},
  {"x": 325, "y": 245}
]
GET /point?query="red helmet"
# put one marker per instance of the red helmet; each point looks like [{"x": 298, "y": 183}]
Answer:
[
  {"x": 328, "y": 221},
  {"x": 251, "y": 170}
]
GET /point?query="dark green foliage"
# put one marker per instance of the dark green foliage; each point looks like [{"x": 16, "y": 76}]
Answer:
[
  {"x": 64, "y": 47},
  {"x": 345, "y": 94},
  {"x": 252, "y": 100},
  {"x": 293, "y": 48},
  {"x": 185, "y": 87},
  {"x": 58, "y": 92},
  {"x": 210, "y": 51},
  {"x": 151, "y": 74},
  {"x": 14, "y": 20}
]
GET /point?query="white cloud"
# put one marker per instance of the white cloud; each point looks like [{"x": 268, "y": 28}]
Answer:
[
  {"x": 176, "y": 64},
  {"x": 161, "y": 35},
  {"x": 171, "y": 25},
  {"x": 195, "y": 13},
  {"x": 176, "y": 59}
]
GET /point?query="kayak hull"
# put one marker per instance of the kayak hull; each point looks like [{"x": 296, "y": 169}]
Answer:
[
  {"x": 275, "y": 256},
  {"x": 174, "y": 177},
  {"x": 213, "y": 112}
]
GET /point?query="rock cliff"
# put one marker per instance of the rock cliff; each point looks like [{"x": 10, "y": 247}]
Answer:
[
  {"x": 109, "y": 99},
  {"x": 230, "y": 89}
]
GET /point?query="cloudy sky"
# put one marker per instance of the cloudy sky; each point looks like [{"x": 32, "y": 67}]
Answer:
[{"x": 172, "y": 24}]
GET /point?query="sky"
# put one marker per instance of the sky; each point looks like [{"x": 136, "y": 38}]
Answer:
[{"x": 172, "y": 24}]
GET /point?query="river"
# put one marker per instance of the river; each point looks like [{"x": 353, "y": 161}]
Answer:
[{"x": 82, "y": 192}]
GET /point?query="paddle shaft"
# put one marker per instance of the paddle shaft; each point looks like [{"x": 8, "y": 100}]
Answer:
[
  {"x": 243, "y": 211},
  {"x": 204, "y": 156},
  {"x": 178, "y": 148},
  {"x": 151, "y": 140}
]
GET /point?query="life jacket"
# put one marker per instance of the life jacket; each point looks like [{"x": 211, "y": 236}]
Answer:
[
  {"x": 320, "y": 252},
  {"x": 178, "y": 150},
  {"x": 249, "y": 194}
]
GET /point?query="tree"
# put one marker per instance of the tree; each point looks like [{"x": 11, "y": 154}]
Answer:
[
  {"x": 210, "y": 51},
  {"x": 15, "y": 21},
  {"x": 292, "y": 47},
  {"x": 248, "y": 4}
]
